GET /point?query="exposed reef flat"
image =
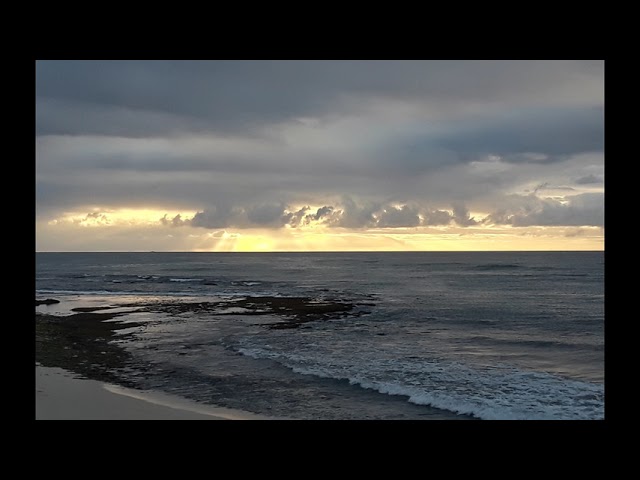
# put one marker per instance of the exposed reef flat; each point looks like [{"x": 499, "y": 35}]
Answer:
[
  {"x": 83, "y": 341},
  {"x": 82, "y": 344},
  {"x": 291, "y": 311},
  {"x": 48, "y": 301}
]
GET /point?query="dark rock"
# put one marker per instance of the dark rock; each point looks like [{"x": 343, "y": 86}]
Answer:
[
  {"x": 293, "y": 311},
  {"x": 62, "y": 340},
  {"x": 89, "y": 309},
  {"x": 48, "y": 301}
]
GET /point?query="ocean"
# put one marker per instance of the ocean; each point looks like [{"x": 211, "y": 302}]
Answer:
[{"x": 366, "y": 335}]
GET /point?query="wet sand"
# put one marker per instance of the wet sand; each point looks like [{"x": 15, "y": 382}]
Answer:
[{"x": 61, "y": 396}]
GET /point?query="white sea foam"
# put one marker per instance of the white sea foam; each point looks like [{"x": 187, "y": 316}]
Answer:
[
  {"x": 78, "y": 292},
  {"x": 124, "y": 293},
  {"x": 237, "y": 294},
  {"x": 492, "y": 394},
  {"x": 185, "y": 279}
]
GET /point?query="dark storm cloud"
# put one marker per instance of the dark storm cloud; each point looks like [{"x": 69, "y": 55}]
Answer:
[
  {"x": 159, "y": 97},
  {"x": 552, "y": 134},
  {"x": 268, "y": 215},
  {"x": 322, "y": 212},
  {"x": 347, "y": 214},
  {"x": 589, "y": 179},
  {"x": 405, "y": 216},
  {"x": 354, "y": 215},
  {"x": 462, "y": 217},
  {"x": 176, "y": 96},
  {"x": 437, "y": 217},
  {"x": 295, "y": 219},
  {"x": 523, "y": 210},
  {"x": 585, "y": 209},
  {"x": 220, "y": 216},
  {"x": 539, "y": 136},
  {"x": 60, "y": 117}
]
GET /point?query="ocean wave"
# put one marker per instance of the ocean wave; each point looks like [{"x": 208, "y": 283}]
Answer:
[
  {"x": 492, "y": 394},
  {"x": 185, "y": 279},
  {"x": 525, "y": 404},
  {"x": 125, "y": 293},
  {"x": 496, "y": 266},
  {"x": 77, "y": 292},
  {"x": 139, "y": 293},
  {"x": 567, "y": 343}
]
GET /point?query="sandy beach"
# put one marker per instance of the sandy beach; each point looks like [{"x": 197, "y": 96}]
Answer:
[{"x": 62, "y": 396}]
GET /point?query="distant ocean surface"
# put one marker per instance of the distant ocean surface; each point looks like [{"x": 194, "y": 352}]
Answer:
[{"x": 490, "y": 335}]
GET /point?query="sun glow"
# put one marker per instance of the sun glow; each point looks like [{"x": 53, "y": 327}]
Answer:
[
  {"x": 143, "y": 229},
  {"x": 105, "y": 217},
  {"x": 440, "y": 239}
]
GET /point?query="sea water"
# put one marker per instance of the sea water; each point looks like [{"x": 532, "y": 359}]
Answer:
[{"x": 455, "y": 335}]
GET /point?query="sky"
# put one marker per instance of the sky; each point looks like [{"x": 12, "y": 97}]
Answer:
[{"x": 319, "y": 155}]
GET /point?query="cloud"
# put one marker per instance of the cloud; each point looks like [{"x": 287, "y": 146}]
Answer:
[
  {"x": 266, "y": 215},
  {"x": 269, "y": 215},
  {"x": 462, "y": 217},
  {"x": 537, "y": 136},
  {"x": 93, "y": 218},
  {"x": 347, "y": 214},
  {"x": 585, "y": 209},
  {"x": 295, "y": 219},
  {"x": 176, "y": 221},
  {"x": 220, "y": 216},
  {"x": 404, "y": 216},
  {"x": 547, "y": 187},
  {"x": 353, "y": 215},
  {"x": 164, "y": 97},
  {"x": 321, "y": 213},
  {"x": 589, "y": 179},
  {"x": 437, "y": 217},
  {"x": 335, "y": 144},
  {"x": 577, "y": 232}
]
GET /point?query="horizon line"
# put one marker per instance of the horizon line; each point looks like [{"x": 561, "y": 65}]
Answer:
[{"x": 319, "y": 251}]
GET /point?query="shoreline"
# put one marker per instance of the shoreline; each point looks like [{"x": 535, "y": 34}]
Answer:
[
  {"x": 79, "y": 341},
  {"x": 62, "y": 396}
]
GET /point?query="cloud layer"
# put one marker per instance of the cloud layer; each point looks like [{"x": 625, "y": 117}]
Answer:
[{"x": 341, "y": 144}]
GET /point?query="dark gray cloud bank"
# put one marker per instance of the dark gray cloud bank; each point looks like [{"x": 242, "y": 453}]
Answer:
[{"x": 368, "y": 144}]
